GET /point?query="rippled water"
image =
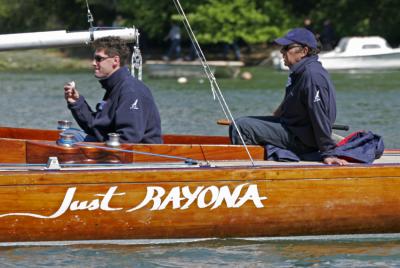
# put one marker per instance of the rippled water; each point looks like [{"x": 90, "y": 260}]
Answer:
[
  {"x": 318, "y": 252},
  {"x": 366, "y": 100}
]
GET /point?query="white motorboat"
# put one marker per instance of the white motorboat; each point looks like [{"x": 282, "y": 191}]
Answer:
[{"x": 372, "y": 52}]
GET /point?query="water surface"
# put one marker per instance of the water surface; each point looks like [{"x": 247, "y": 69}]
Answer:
[
  {"x": 363, "y": 253},
  {"x": 366, "y": 100}
]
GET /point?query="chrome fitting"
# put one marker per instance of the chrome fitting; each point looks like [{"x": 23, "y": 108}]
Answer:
[
  {"x": 64, "y": 124},
  {"x": 66, "y": 139},
  {"x": 113, "y": 140}
]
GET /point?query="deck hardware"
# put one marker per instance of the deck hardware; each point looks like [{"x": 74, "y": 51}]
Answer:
[
  {"x": 113, "y": 140},
  {"x": 53, "y": 164},
  {"x": 66, "y": 139},
  {"x": 64, "y": 124}
]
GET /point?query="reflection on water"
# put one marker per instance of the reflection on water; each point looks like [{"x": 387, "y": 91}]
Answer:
[{"x": 230, "y": 253}]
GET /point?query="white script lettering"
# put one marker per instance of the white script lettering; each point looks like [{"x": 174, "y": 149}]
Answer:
[
  {"x": 178, "y": 198},
  {"x": 155, "y": 194},
  {"x": 76, "y": 205}
]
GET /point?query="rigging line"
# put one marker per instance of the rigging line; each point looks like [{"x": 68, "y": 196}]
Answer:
[
  {"x": 201, "y": 56},
  {"x": 185, "y": 159},
  {"x": 199, "y": 51},
  {"x": 216, "y": 93},
  {"x": 89, "y": 15},
  {"x": 11, "y": 165},
  {"x": 208, "y": 72},
  {"x": 69, "y": 164},
  {"x": 20, "y": 165},
  {"x": 210, "y": 75}
]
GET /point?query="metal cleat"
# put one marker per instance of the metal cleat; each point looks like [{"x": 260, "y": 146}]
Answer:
[{"x": 53, "y": 164}]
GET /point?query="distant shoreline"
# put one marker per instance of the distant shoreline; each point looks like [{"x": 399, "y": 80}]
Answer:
[
  {"x": 79, "y": 59},
  {"x": 42, "y": 60}
]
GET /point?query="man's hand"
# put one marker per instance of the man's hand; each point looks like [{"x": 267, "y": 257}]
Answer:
[
  {"x": 71, "y": 95},
  {"x": 331, "y": 160}
]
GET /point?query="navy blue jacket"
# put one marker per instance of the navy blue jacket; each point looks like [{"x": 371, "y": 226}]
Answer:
[
  {"x": 309, "y": 107},
  {"x": 128, "y": 108}
]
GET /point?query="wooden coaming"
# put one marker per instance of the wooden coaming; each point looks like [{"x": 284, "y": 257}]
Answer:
[
  {"x": 29, "y": 134},
  {"x": 26, "y": 151},
  {"x": 12, "y": 151},
  {"x": 53, "y": 135},
  {"x": 39, "y": 152}
]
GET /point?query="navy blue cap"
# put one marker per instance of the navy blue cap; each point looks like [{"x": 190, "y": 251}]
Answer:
[{"x": 300, "y": 36}]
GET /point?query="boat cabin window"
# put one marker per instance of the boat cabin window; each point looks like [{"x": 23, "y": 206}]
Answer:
[
  {"x": 342, "y": 45},
  {"x": 371, "y": 46}
]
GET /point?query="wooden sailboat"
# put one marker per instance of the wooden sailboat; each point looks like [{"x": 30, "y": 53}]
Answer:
[
  {"x": 189, "y": 187},
  {"x": 94, "y": 193}
]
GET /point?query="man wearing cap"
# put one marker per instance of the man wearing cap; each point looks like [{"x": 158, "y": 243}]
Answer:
[{"x": 303, "y": 121}]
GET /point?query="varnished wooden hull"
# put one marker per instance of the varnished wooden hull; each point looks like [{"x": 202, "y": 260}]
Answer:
[
  {"x": 294, "y": 201},
  {"x": 133, "y": 196}
]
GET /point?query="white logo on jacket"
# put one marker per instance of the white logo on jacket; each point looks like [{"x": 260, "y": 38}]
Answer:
[
  {"x": 317, "y": 98},
  {"x": 100, "y": 105},
  {"x": 134, "y": 105},
  {"x": 289, "y": 81}
]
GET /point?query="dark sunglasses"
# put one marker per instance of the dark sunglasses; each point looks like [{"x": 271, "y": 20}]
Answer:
[
  {"x": 99, "y": 58},
  {"x": 289, "y": 47}
]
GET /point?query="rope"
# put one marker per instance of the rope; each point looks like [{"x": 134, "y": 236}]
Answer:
[
  {"x": 82, "y": 165},
  {"x": 216, "y": 91}
]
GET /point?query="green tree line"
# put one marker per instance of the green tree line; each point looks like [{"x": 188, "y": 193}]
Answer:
[{"x": 214, "y": 21}]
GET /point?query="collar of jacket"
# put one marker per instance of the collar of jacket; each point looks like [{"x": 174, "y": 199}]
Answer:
[
  {"x": 110, "y": 82},
  {"x": 299, "y": 67}
]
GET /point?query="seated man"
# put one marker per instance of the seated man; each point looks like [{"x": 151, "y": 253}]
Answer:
[
  {"x": 303, "y": 121},
  {"x": 127, "y": 108}
]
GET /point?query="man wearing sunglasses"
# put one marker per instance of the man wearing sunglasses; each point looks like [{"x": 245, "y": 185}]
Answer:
[
  {"x": 303, "y": 122},
  {"x": 127, "y": 108}
]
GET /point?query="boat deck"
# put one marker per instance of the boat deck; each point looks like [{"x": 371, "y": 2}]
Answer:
[
  {"x": 386, "y": 159},
  {"x": 27, "y": 149}
]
